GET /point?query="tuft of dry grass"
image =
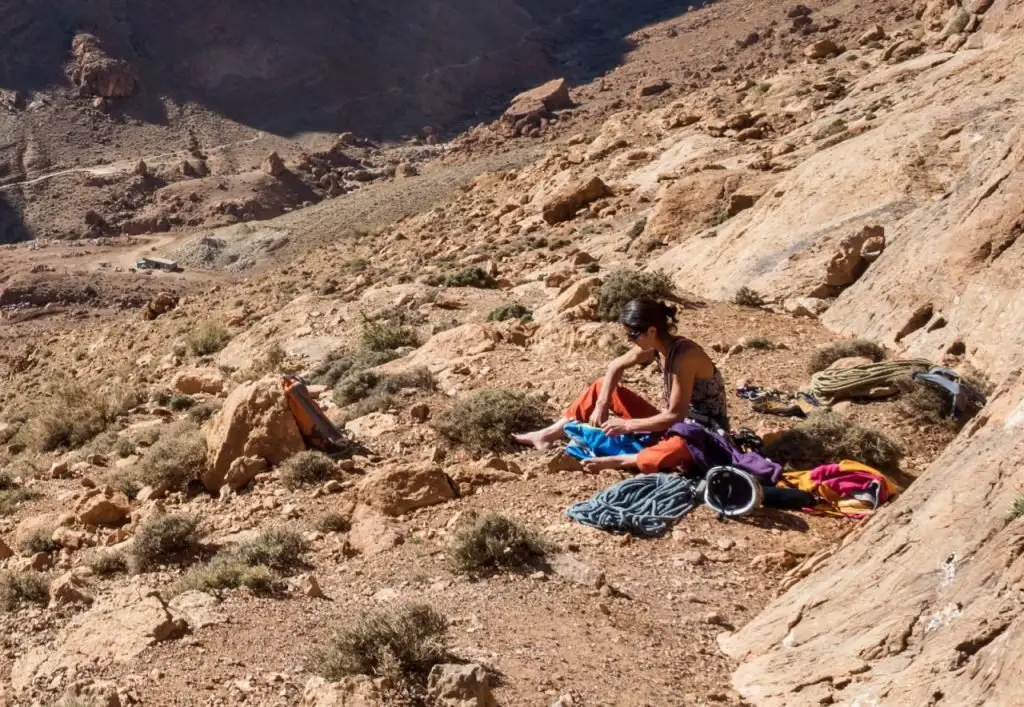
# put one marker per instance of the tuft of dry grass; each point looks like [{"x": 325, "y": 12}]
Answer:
[
  {"x": 257, "y": 564},
  {"x": 331, "y": 522},
  {"x": 1017, "y": 509},
  {"x": 70, "y": 414},
  {"x": 176, "y": 458},
  {"x": 208, "y": 337},
  {"x": 39, "y": 540},
  {"x": 491, "y": 542},
  {"x": 485, "y": 420},
  {"x": 746, "y": 297},
  {"x": 828, "y": 437},
  {"x": 307, "y": 468},
  {"x": 623, "y": 286},
  {"x": 827, "y": 355},
  {"x": 20, "y": 588},
  {"x": 386, "y": 336},
  {"x": 109, "y": 563},
  {"x": 513, "y": 310},
  {"x": 925, "y": 403},
  {"x": 401, "y": 643},
  {"x": 162, "y": 540}
]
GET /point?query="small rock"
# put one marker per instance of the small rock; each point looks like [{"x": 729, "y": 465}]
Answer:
[
  {"x": 420, "y": 412},
  {"x": 458, "y": 685},
  {"x": 694, "y": 557},
  {"x": 725, "y": 543},
  {"x": 874, "y": 34},
  {"x": 105, "y": 507},
  {"x": 310, "y": 587},
  {"x": 5, "y": 550},
  {"x": 573, "y": 570},
  {"x": 68, "y": 589},
  {"x": 273, "y": 165},
  {"x": 652, "y": 87},
  {"x": 821, "y": 49},
  {"x": 805, "y": 307}
]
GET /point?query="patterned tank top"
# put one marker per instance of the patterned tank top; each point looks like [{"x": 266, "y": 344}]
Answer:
[{"x": 708, "y": 399}]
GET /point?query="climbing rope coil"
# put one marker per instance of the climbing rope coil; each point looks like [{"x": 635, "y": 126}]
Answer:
[
  {"x": 858, "y": 381},
  {"x": 644, "y": 505}
]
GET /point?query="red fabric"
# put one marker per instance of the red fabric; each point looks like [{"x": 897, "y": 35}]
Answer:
[
  {"x": 670, "y": 452},
  {"x": 623, "y": 403}
]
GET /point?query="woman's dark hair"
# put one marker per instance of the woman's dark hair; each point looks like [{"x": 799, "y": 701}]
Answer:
[{"x": 642, "y": 313}]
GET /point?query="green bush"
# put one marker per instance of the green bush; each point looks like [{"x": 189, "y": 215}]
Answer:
[
  {"x": 486, "y": 419},
  {"x": 470, "y": 277},
  {"x": 1017, "y": 509},
  {"x": 257, "y": 564},
  {"x": 176, "y": 458},
  {"x": 19, "y": 588},
  {"x": 401, "y": 643},
  {"x": 623, "y": 286},
  {"x": 828, "y": 437},
  {"x": 11, "y": 499},
  {"x": 208, "y": 337},
  {"x": 377, "y": 390},
  {"x": 39, "y": 540},
  {"x": 492, "y": 542},
  {"x": 307, "y": 468},
  {"x": 383, "y": 336},
  {"x": 825, "y": 356},
  {"x": 510, "y": 311},
  {"x": 164, "y": 539},
  {"x": 108, "y": 563},
  {"x": 280, "y": 549},
  {"x": 746, "y": 297}
]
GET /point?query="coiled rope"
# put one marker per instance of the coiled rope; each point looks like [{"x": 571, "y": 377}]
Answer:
[
  {"x": 643, "y": 505},
  {"x": 859, "y": 380}
]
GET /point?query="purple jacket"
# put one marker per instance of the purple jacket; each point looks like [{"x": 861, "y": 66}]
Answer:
[{"x": 710, "y": 450}]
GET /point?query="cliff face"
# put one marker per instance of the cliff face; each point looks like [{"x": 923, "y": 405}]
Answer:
[
  {"x": 925, "y": 604},
  {"x": 376, "y": 68}
]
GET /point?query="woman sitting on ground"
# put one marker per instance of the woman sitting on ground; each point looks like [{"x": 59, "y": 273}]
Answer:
[{"x": 694, "y": 391}]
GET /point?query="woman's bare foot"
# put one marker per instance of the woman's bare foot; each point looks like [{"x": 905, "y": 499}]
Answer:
[{"x": 541, "y": 439}]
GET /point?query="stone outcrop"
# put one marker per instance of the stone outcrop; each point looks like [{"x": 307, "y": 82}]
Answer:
[
  {"x": 459, "y": 685},
  {"x": 104, "y": 506},
  {"x": 401, "y": 489},
  {"x": 564, "y": 205},
  {"x": 193, "y": 381},
  {"x": 97, "y": 73},
  {"x": 254, "y": 422}
]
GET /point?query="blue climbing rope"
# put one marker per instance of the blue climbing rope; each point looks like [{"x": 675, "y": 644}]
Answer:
[{"x": 644, "y": 505}]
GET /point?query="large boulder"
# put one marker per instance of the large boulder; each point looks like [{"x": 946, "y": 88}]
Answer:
[
  {"x": 564, "y": 205},
  {"x": 193, "y": 381},
  {"x": 459, "y": 685},
  {"x": 117, "y": 629},
  {"x": 554, "y": 95},
  {"x": 254, "y": 422},
  {"x": 573, "y": 296},
  {"x": 96, "y": 72},
  {"x": 849, "y": 262},
  {"x": 106, "y": 507},
  {"x": 401, "y": 489}
]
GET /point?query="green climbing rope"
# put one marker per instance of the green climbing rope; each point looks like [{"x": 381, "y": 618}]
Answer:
[{"x": 860, "y": 380}]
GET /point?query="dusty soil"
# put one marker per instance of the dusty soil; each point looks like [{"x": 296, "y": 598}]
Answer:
[{"x": 304, "y": 278}]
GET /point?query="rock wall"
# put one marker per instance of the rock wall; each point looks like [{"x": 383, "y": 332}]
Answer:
[{"x": 924, "y": 604}]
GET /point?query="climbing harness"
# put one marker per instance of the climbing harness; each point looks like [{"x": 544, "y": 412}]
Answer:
[
  {"x": 966, "y": 399},
  {"x": 644, "y": 505},
  {"x": 858, "y": 381}
]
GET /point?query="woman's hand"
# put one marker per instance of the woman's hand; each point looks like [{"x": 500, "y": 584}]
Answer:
[
  {"x": 600, "y": 414},
  {"x": 593, "y": 466},
  {"x": 616, "y": 426}
]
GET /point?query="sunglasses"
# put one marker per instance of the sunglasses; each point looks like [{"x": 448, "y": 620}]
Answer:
[{"x": 633, "y": 334}]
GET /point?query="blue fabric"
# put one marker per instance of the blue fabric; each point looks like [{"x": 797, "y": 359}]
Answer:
[
  {"x": 644, "y": 505},
  {"x": 587, "y": 442}
]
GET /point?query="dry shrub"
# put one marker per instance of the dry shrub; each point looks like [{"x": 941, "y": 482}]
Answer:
[
  {"x": 70, "y": 414},
  {"x": 204, "y": 411},
  {"x": 11, "y": 499},
  {"x": 759, "y": 343},
  {"x": 827, "y": 355},
  {"x": 331, "y": 522},
  {"x": 207, "y": 338},
  {"x": 402, "y": 643},
  {"x": 342, "y": 362},
  {"x": 1017, "y": 509},
  {"x": 358, "y": 385},
  {"x": 39, "y": 540},
  {"x": 828, "y": 437},
  {"x": 513, "y": 310},
  {"x": 486, "y": 419},
  {"x": 257, "y": 564},
  {"x": 623, "y": 286},
  {"x": 306, "y": 468},
  {"x": 746, "y": 297},
  {"x": 469, "y": 277},
  {"x": 177, "y": 457},
  {"x": 491, "y": 542},
  {"x": 108, "y": 563},
  {"x": 164, "y": 539},
  {"x": 386, "y": 336},
  {"x": 926, "y": 403},
  {"x": 20, "y": 588}
]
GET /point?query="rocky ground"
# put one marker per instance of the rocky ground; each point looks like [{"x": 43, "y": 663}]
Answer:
[{"x": 698, "y": 140}]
